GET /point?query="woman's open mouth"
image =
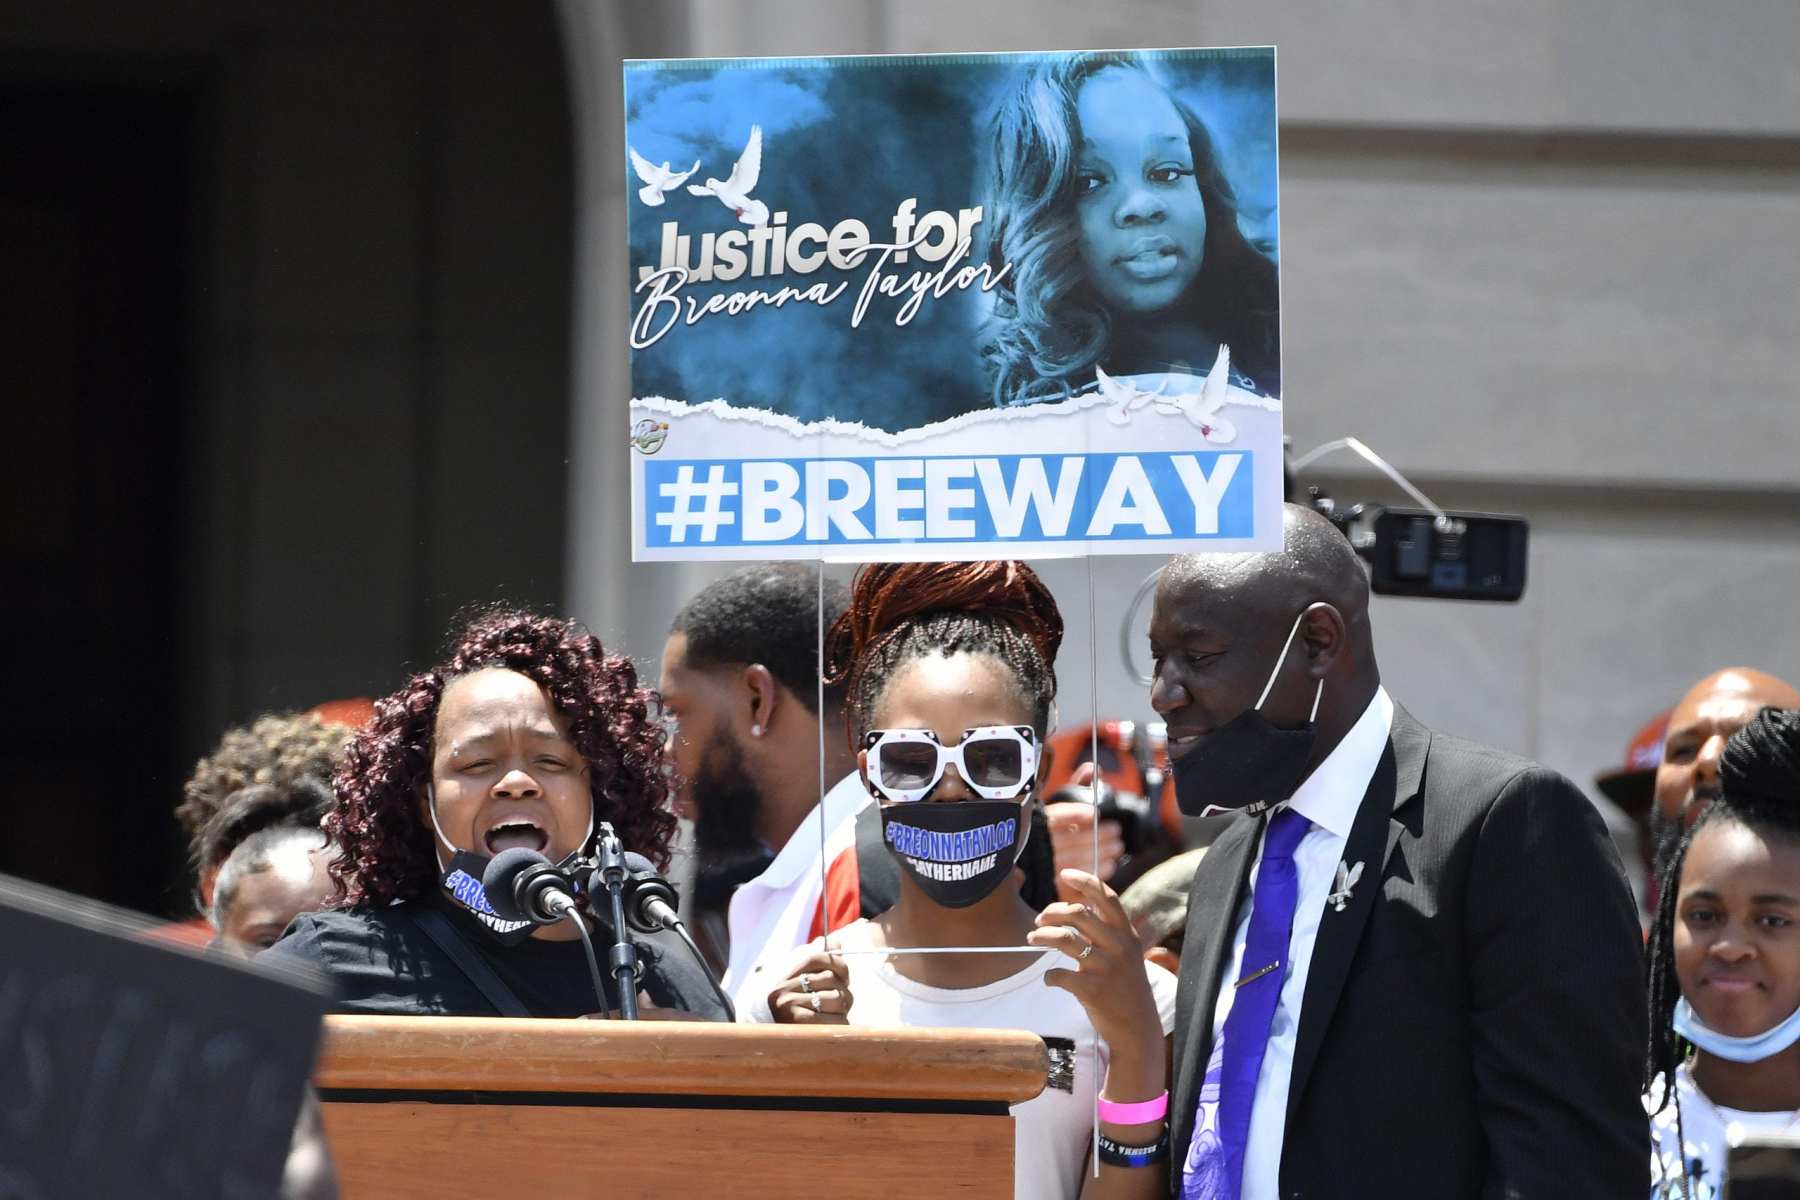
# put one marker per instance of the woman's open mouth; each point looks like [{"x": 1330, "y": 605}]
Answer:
[{"x": 511, "y": 832}]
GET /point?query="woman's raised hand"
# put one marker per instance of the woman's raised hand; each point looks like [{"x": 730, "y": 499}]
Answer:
[
  {"x": 1109, "y": 976},
  {"x": 817, "y": 992}
]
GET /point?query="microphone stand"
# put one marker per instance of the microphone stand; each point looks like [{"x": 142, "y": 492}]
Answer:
[{"x": 610, "y": 869}]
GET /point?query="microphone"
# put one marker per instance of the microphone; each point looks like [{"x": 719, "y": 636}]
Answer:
[
  {"x": 523, "y": 885},
  {"x": 649, "y": 899},
  {"x": 650, "y": 908}
]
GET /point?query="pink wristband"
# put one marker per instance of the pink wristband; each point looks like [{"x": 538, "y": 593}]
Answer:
[{"x": 1141, "y": 1113}]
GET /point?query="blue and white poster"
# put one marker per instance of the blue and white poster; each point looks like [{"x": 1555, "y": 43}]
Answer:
[{"x": 954, "y": 306}]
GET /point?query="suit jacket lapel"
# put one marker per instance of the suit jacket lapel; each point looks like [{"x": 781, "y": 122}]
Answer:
[
  {"x": 1212, "y": 916},
  {"x": 1374, "y": 835}
]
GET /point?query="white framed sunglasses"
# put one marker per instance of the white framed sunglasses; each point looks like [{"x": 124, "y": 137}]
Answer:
[{"x": 997, "y": 762}]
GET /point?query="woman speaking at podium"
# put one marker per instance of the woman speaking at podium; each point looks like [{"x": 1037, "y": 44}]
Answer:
[
  {"x": 950, "y": 689},
  {"x": 527, "y": 734}
]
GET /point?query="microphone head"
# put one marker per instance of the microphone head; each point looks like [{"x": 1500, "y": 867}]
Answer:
[
  {"x": 501, "y": 877},
  {"x": 644, "y": 890}
]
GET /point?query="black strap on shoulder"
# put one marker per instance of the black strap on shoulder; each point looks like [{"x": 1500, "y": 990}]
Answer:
[
  {"x": 436, "y": 926},
  {"x": 877, "y": 876}
]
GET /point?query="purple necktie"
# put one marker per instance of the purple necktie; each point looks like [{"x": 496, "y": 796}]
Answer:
[{"x": 1215, "y": 1160}]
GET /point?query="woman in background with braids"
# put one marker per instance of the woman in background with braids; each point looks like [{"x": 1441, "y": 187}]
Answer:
[
  {"x": 950, "y": 687},
  {"x": 1725, "y": 966}
]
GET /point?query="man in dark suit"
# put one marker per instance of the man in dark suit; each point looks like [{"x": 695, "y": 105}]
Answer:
[{"x": 1412, "y": 964}]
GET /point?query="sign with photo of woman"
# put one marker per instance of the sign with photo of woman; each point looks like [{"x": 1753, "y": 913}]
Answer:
[{"x": 954, "y": 306}]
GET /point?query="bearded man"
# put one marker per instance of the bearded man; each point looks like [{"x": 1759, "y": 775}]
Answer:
[{"x": 740, "y": 686}]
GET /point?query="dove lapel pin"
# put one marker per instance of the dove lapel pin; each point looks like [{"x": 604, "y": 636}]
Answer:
[{"x": 1346, "y": 880}]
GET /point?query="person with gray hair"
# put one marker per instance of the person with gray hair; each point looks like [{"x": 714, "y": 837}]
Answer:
[{"x": 266, "y": 880}]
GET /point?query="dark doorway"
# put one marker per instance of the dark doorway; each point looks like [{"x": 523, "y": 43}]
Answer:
[{"x": 94, "y": 189}]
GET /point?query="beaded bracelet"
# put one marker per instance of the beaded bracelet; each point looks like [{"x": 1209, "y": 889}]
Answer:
[
  {"x": 1113, "y": 1112},
  {"x": 1115, "y": 1155}
]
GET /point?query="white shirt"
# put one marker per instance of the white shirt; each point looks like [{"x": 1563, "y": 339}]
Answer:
[
  {"x": 1706, "y": 1125},
  {"x": 773, "y": 913},
  {"x": 1329, "y": 799},
  {"x": 1051, "y": 1131}
]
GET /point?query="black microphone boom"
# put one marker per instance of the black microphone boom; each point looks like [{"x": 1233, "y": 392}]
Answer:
[{"x": 523, "y": 885}]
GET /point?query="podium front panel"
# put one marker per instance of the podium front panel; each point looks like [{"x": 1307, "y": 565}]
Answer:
[
  {"x": 463, "y": 1106},
  {"x": 432, "y": 1150}
]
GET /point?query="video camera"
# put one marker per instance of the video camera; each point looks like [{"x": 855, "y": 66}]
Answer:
[
  {"x": 1428, "y": 551},
  {"x": 1445, "y": 556}
]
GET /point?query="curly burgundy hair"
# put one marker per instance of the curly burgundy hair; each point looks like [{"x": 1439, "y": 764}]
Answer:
[{"x": 615, "y": 723}]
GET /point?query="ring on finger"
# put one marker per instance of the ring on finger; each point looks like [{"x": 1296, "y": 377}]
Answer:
[
  {"x": 806, "y": 985},
  {"x": 814, "y": 997},
  {"x": 1085, "y": 951}
]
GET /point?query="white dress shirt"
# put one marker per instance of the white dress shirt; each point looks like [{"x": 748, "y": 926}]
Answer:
[
  {"x": 1329, "y": 799},
  {"x": 773, "y": 913}
]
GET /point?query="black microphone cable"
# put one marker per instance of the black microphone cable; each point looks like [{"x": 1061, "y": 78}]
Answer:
[
  {"x": 522, "y": 885},
  {"x": 647, "y": 888},
  {"x": 688, "y": 941},
  {"x": 587, "y": 946}
]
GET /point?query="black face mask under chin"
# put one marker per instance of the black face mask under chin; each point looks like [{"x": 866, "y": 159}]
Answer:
[
  {"x": 1247, "y": 763},
  {"x": 461, "y": 879}
]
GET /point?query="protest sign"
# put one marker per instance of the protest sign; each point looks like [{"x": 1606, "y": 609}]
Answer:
[
  {"x": 132, "y": 1068},
  {"x": 953, "y": 307}
]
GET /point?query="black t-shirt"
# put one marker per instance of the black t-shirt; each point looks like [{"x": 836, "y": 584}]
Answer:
[{"x": 381, "y": 961}]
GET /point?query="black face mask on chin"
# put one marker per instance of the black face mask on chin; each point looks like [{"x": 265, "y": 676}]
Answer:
[
  {"x": 461, "y": 878},
  {"x": 1247, "y": 763}
]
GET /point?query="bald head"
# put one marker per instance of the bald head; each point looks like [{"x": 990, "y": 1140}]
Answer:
[
  {"x": 1700, "y": 725},
  {"x": 1220, "y": 629},
  {"x": 1315, "y": 563}
]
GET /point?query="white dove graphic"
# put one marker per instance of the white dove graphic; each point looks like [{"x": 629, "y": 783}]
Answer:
[
  {"x": 734, "y": 191},
  {"x": 1124, "y": 396},
  {"x": 1201, "y": 408},
  {"x": 657, "y": 180}
]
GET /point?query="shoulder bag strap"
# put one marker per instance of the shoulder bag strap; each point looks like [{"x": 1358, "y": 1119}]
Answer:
[
  {"x": 438, "y": 928},
  {"x": 878, "y": 878}
]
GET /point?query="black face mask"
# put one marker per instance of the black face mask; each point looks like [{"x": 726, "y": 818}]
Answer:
[
  {"x": 461, "y": 878},
  {"x": 957, "y": 851},
  {"x": 1247, "y": 763},
  {"x": 462, "y": 883}
]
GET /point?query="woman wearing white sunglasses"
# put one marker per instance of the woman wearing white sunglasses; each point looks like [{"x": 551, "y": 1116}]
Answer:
[{"x": 949, "y": 688}]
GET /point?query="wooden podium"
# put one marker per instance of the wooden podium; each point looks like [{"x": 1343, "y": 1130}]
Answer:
[{"x": 461, "y": 1106}]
